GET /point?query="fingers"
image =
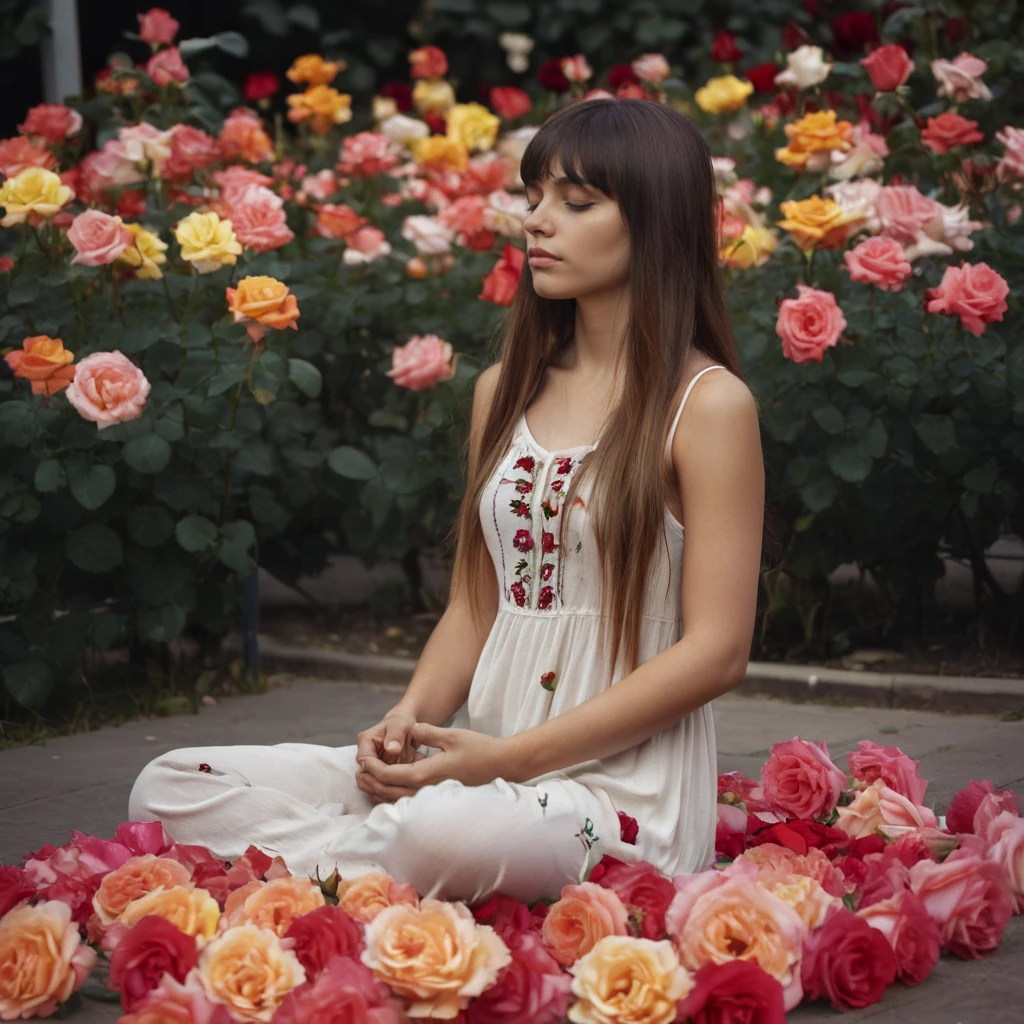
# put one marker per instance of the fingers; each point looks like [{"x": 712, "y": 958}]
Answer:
[
  {"x": 396, "y": 736},
  {"x": 381, "y": 792},
  {"x": 367, "y": 741}
]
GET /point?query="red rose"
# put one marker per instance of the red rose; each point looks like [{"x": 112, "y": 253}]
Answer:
[
  {"x": 261, "y": 85},
  {"x": 954, "y": 29},
  {"x": 793, "y": 36},
  {"x": 622, "y": 74},
  {"x": 644, "y": 890},
  {"x": 551, "y": 77},
  {"x": 509, "y": 102},
  {"x": 628, "y": 828},
  {"x": 889, "y": 67},
  {"x": 428, "y": 62},
  {"x": 948, "y": 130},
  {"x": 400, "y": 92},
  {"x": 964, "y": 806},
  {"x": 854, "y": 30},
  {"x": 911, "y": 932},
  {"x": 730, "y": 831},
  {"x": 724, "y": 48},
  {"x": 15, "y": 885},
  {"x": 323, "y": 933},
  {"x": 847, "y": 962},
  {"x": 501, "y": 283},
  {"x": 762, "y": 77},
  {"x": 736, "y": 992},
  {"x": 800, "y": 836},
  {"x": 149, "y": 949},
  {"x": 510, "y": 918}
]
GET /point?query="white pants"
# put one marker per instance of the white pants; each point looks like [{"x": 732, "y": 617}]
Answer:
[{"x": 448, "y": 840}]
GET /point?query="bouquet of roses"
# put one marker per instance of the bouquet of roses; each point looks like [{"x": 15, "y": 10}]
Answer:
[{"x": 825, "y": 886}]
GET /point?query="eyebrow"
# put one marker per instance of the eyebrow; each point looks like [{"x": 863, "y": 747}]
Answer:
[{"x": 562, "y": 181}]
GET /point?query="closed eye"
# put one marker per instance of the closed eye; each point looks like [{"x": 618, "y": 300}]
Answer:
[{"x": 575, "y": 207}]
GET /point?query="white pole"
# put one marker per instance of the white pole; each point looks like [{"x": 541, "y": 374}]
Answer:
[{"x": 62, "y": 62}]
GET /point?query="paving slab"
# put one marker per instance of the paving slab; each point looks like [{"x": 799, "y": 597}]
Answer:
[{"x": 83, "y": 781}]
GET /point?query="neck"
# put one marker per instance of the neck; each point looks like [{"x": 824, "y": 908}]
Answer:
[{"x": 599, "y": 334}]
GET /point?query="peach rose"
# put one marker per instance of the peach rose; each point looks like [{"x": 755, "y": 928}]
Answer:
[
  {"x": 879, "y": 261},
  {"x": 581, "y": 917},
  {"x": 422, "y": 362},
  {"x": 157, "y": 27},
  {"x": 18, "y": 153},
  {"x": 366, "y": 245},
  {"x": 576, "y": 69},
  {"x": 249, "y": 970},
  {"x": 807, "y": 898},
  {"x": 98, "y": 238},
  {"x": 974, "y": 292},
  {"x": 242, "y": 138},
  {"x": 42, "y": 959},
  {"x": 774, "y": 863},
  {"x": 651, "y": 67},
  {"x": 367, "y": 895},
  {"x": 258, "y": 220},
  {"x": 807, "y": 326},
  {"x": 51, "y": 122},
  {"x": 133, "y": 879},
  {"x": 337, "y": 221},
  {"x": 192, "y": 911},
  {"x": 273, "y": 905},
  {"x": 262, "y": 303},
  {"x": 323, "y": 106},
  {"x": 877, "y": 805},
  {"x": 813, "y": 139},
  {"x": 108, "y": 388},
  {"x": 960, "y": 78},
  {"x": 947, "y": 130},
  {"x": 167, "y": 66},
  {"x": 435, "y": 955},
  {"x": 627, "y": 979},
  {"x": 888, "y": 67},
  {"x": 799, "y": 779},
  {"x": 45, "y": 362}
]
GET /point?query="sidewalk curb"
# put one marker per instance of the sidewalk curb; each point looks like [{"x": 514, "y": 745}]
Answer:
[{"x": 803, "y": 683}]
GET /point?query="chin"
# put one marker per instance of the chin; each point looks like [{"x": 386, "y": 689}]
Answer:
[{"x": 552, "y": 290}]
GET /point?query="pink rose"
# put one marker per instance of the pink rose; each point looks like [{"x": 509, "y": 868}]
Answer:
[
  {"x": 880, "y": 261},
  {"x": 748, "y": 790},
  {"x": 730, "y": 831},
  {"x": 580, "y": 918},
  {"x": 889, "y": 67},
  {"x": 428, "y": 234},
  {"x": 509, "y": 917},
  {"x": 174, "y": 1002},
  {"x": 257, "y": 216},
  {"x": 422, "y": 362},
  {"x": 142, "y": 837},
  {"x": 15, "y": 886},
  {"x": 166, "y": 66},
  {"x": 191, "y": 150},
  {"x": 969, "y": 898},
  {"x": 322, "y": 934},
  {"x": 147, "y": 951},
  {"x": 51, "y": 122},
  {"x": 18, "y": 153},
  {"x": 98, "y": 237},
  {"x": 1005, "y": 840},
  {"x": 808, "y": 325},
  {"x": 905, "y": 213},
  {"x": 798, "y": 778},
  {"x": 1012, "y": 163},
  {"x": 157, "y": 27},
  {"x": 974, "y": 292},
  {"x": 910, "y": 931},
  {"x": 576, "y": 69},
  {"x": 367, "y": 155},
  {"x": 108, "y": 388},
  {"x": 964, "y": 806},
  {"x": 344, "y": 991},
  {"x": 364, "y": 246},
  {"x": 960, "y": 79},
  {"x": 320, "y": 186},
  {"x": 643, "y": 889},
  {"x": 651, "y": 67},
  {"x": 898, "y": 771}
]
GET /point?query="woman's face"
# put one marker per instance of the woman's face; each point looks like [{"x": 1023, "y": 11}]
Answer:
[{"x": 584, "y": 229}]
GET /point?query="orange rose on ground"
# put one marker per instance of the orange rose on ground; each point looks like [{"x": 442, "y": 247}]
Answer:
[
  {"x": 42, "y": 959},
  {"x": 249, "y": 970},
  {"x": 583, "y": 916},
  {"x": 261, "y": 303},
  {"x": 275, "y": 904},
  {"x": 45, "y": 362},
  {"x": 434, "y": 955},
  {"x": 192, "y": 911},
  {"x": 134, "y": 879},
  {"x": 366, "y": 896}
]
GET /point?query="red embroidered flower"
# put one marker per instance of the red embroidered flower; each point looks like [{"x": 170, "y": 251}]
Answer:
[
  {"x": 564, "y": 465},
  {"x": 524, "y": 486},
  {"x": 557, "y": 485},
  {"x": 518, "y": 593},
  {"x": 547, "y": 595},
  {"x": 547, "y": 542},
  {"x": 526, "y": 462},
  {"x": 546, "y": 569},
  {"x": 549, "y": 509},
  {"x": 522, "y": 541},
  {"x": 521, "y": 508},
  {"x": 547, "y": 680}
]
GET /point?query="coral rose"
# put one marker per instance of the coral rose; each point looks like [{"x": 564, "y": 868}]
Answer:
[
  {"x": 18, "y": 153},
  {"x": 879, "y": 261},
  {"x": 324, "y": 933},
  {"x": 249, "y": 970},
  {"x": 191, "y": 150},
  {"x": 870, "y": 761},
  {"x": 192, "y": 911},
  {"x": 799, "y": 779},
  {"x": 346, "y": 992},
  {"x": 108, "y": 388},
  {"x": 312, "y": 69},
  {"x": 242, "y": 138},
  {"x": 258, "y": 220},
  {"x": 98, "y": 238},
  {"x": 435, "y": 955},
  {"x": 428, "y": 62},
  {"x": 32, "y": 193},
  {"x": 207, "y": 242},
  {"x": 273, "y": 905},
  {"x": 582, "y": 916},
  {"x": 43, "y": 959},
  {"x": 365, "y": 896},
  {"x": 132, "y": 880},
  {"x": 51, "y": 122},
  {"x": 644, "y": 890},
  {"x": 166, "y": 67},
  {"x": 910, "y": 931},
  {"x": 364, "y": 246},
  {"x": 422, "y": 362},
  {"x": 337, "y": 221},
  {"x": 627, "y": 979},
  {"x": 974, "y": 292},
  {"x": 509, "y": 102},
  {"x": 45, "y": 362},
  {"x": 736, "y": 992},
  {"x": 807, "y": 325},
  {"x": 888, "y": 66},
  {"x": 947, "y": 130},
  {"x": 157, "y": 27},
  {"x": 150, "y": 949}
]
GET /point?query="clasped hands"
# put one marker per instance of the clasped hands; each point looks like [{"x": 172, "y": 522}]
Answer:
[{"x": 391, "y": 767}]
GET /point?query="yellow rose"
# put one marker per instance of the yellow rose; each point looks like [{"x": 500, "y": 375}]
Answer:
[
  {"x": 434, "y": 955},
  {"x": 33, "y": 191},
  {"x": 207, "y": 242},
  {"x": 818, "y": 222},
  {"x": 433, "y": 96},
  {"x": 817, "y": 133},
  {"x": 322, "y": 105},
  {"x": 145, "y": 255},
  {"x": 440, "y": 153},
  {"x": 192, "y": 911},
  {"x": 312, "y": 69},
  {"x": 473, "y": 125},
  {"x": 248, "y": 969},
  {"x": 723, "y": 95},
  {"x": 627, "y": 979},
  {"x": 751, "y": 249}
]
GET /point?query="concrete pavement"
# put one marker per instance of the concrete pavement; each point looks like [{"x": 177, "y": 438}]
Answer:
[{"x": 83, "y": 781}]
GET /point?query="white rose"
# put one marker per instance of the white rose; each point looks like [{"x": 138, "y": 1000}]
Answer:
[
  {"x": 807, "y": 67},
  {"x": 430, "y": 237},
  {"x": 518, "y": 62},
  {"x": 515, "y": 42},
  {"x": 402, "y": 129},
  {"x": 505, "y": 214}
]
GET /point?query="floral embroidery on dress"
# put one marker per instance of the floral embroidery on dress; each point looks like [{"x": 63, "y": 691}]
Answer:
[{"x": 547, "y": 680}]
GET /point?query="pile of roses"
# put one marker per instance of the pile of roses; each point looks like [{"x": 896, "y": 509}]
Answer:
[{"x": 826, "y": 886}]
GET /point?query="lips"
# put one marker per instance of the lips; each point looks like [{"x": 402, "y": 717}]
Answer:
[{"x": 536, "y": 251}]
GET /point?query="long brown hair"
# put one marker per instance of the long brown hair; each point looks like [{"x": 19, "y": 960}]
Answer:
[{"x": 656, "y": 165}]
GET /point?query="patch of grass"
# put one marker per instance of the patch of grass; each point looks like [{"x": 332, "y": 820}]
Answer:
[
  {"x": 888, "y": 730},
  {"x": 1014, "y": 715}
]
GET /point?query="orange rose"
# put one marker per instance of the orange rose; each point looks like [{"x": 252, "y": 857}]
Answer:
[
  {"x": 45, "y": 362},
  {"x": 818, "y": 222},
  {"x": 192, "y": 911},
  {"x": 337, "y": 221},
  {"x": 812, "y": 139},
  {"x": 242, "y": 138},
  {"x": 366, "y": 896},
  {"x": 248, "y": 969},
  {"x": 440, "y": 153},
  {"x": 42, "y": 959},
  {"x": 134, "y": 879},
  {"x": 312, "y": 69},
  {"x": 274, "y": 904},
  {"x": 583, "y": 916},
  {"x": 324, "y": 105},
  {"x": 261, "y": 303},
  {"x": 434, "y": 955}
]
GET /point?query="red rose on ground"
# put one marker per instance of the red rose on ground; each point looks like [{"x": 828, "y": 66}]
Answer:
[
  {"x": 551, "y": 77},
  {"x": 509, "y": 102},
  {"x": 737, "y": 992},
  {"x": 724, "y": 48},
  {"x": 847, "y": 962},
  {"x": 345, "y": 991},
  {"x": 15, "y": 885},
  {"x": 261, "y": 85},
  {"x": 800, "y": 836},
  {"x": 854, "y": 30},
  {"x": 628, "y": 828},
  {"x": 644, "y": 890},
  {"x": 323, "y": 933},
  {"x": 510, "y": 918},
  {"x": 964, "y": 806},
  {"x": 149, "y": 949},
  {"x": 762, "y": 77},
  {"x": 913, "y": 935}
]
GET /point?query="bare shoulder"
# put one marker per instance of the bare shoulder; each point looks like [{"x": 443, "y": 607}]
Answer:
[
  {"x": 717, "y": 397},
  {"x": 720, "y": 419},
  {"x": 486, "y": 382}
]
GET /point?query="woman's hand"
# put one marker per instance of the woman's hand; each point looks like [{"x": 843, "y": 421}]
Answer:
[
  {"x": 386, "y": 743},
  {"x": 473, "y": 758}
]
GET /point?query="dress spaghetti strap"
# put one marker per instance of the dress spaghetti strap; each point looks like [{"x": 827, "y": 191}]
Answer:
[{"x": 686, "y": 394}]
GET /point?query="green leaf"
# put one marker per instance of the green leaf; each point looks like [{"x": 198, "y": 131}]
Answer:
[
  {"x": 830, "y": 419},
  {"x": 352, "y": 463},
  {"x": 305, "y": 16},
  {"x": 190, "y": 47},
  {"x": 850, "y": 464},
  {"x": 195, "y": 533},
  {"x": 937, "y": 433},
  {"x": 29, "y": 683},
  {"x": 94, "y": 548},
  {"x": 982, "y": 479},
  {"x": 232, "y": 42},
  {"x": 239, "y": 537},
  {"x": 148, "y": 525},
  {"x": 49, "y": 474},
  {"x": 820, "y": 493},
  {"x": 160, "y": 624},
  {"x": 93, "y": 486},
  {"x": 147, "y": 454},
  {"x": 855, "y": 378},
  {"x": 306, "y": 377}
]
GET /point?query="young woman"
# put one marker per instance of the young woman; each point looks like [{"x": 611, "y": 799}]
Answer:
[{"x": 582, "y": 643}]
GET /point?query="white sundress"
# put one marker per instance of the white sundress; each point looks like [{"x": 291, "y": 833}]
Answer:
[{"x": 544, "y": 654}]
